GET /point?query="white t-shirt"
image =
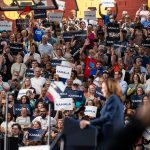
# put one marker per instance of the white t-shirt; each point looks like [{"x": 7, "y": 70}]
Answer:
[{"x": 45, "y": 49}]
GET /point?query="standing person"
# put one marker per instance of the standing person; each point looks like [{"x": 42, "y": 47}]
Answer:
[{"x": 112, "y": 113}]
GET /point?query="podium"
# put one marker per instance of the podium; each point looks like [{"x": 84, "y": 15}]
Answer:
[{"x": 79, "y": 139}]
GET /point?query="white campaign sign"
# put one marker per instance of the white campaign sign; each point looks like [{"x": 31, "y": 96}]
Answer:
[
  {"x": 90, "y": 111},
  {"x": 23, "y": 92},
  {"x": 43, "y": 147},
  {"x": 5, "y": 26},
  {"x": 89, "y": 15},
  {"x": 63, "y": 72},
  {"x": 107, "y": 3},
  {"x": 61, "y": 5},
  {"x": 64, "y": 103},
  {"x": 57, "y": 16}
]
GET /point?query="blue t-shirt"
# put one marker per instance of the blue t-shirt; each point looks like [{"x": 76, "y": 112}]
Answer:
[{"x": 38, "y": 33}]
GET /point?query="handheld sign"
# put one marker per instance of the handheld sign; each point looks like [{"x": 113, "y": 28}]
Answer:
[
  {"x": 107, "y": 3},
  {"x": 40, "y": 13},
  {"x": 55, "y": 62},
  {"x": 22, "y": 23},
  {"x": 63, "y": 72},
  {"x": 23, "y": 92},
  {"x": 61, "y": 5},
  {"x": 64, "y": 103},
  {"x": 35, "y": 134},
  {"x": 57, "y": 16},
  {"x": 17, "y": 109},
  {"x": 146, "y": 43},
  {"x": 16, "y": 47},
  {"x": 5, "y": 26},
  {"x": 41, "y": 147},
  {"x": 89, "y": 15},
  {"x": 90, "y": 111},
  {"x": 109, "y": 41},
  {"x": 113, "y": 27}
]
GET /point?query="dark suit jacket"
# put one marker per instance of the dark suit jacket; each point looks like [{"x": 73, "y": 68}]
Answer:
[{"x": 112, "y": 116}]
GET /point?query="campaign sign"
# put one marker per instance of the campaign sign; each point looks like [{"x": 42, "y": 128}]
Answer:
[
  {"x": 29, "y": 73},
  {"x": 41, "y": 147},
  {"x": 40, "y": 14},
  {"x": 109, "y": 41},
  {"x": 22, "y": 23},
  {"x": 89, "y": 15},
  {"x": 90, "y": 111},
  {"x": 16, "y": 47},
  {"x": 107, "y": 3},
  {"x": 56, "y": 16},
  {"x": 63, "y": 72},
  {"x": 146, "y": 43},
  {"x": 35, "y": 134},
  {"x": 113, "y": 27},
  {"x": 23, "y": 92},
  {"x": 64, "y": 103},
  {"x": 17, "y": 109},
  {"x": 77, "y": 35},
  {"x": 55, "y": 62},
  {"x": 75, "y": 94},
  {"x": 99, "y": 94},
  {"x": 5, "y": 26},
  {"x": 61, "y": 5}
]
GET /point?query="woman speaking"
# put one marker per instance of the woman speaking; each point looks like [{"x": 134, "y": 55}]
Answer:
[{"x": 111, "y": 115}]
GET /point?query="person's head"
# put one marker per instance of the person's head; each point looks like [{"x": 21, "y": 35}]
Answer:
[
  {"x": 12, "y": 38},
  {"x": 43, "y": 112},
  {"x": 90, "y": 103},
  {"x": 90, "y": 80},
  {"x": 34, "y": 64},
  {"x": 2, "y": 17},
  {"x": 3, "y": 94},
  {"x": 60, "y": 123},
  {"x": 111, "y": 18},
  {"x": 73, "y": 14},
  {"x": 90, "y": 28},
  {"x": 136, "y": 78},
  {"x": 44, "y": 39},
  {"x": 141, "y": 50},
  {"x": 40, "y": 105},
  {"x": 43, "y": 91},
  {"x": 24, "y": 112},
  {"x": 137, "y": 69},
  {"x": 91, "y": 89},
  {"x": 49, "y": 32},
  {"x": 24, "y": 99},
  {"x": 105, "y": 75},
  {"x": 146, "y": 100},
  {"x": 18, "y": 58},
  {"x": 4, "y": 34},
  {"x": 117, "y": 75},
  {"x": 59, "y": 52},
  {"x": 111, "y": 86},
  {"x": 10, "y": 98},
  {"x": 36, "y": 125},
  {"x": 34, "y": 48},
  {"x": 124, "y": 13},
  {"x": 16, "y": 129},
  {"x": 10, "y": 117},
  {"x": 138, "y": 62},
  {"x": 82, "y": 25},
  {"x": 109, "y": 11},
  {"x": 26, "y": 83},
  {"x": 37, "y": 72},
  {"x": 92, "y": 54},
  {"x": 139, "y": 91},
  {"x": 144, "y": 7}
]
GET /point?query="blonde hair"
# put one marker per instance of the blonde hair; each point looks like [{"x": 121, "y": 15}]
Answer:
[{"x": 114, "y": 88}]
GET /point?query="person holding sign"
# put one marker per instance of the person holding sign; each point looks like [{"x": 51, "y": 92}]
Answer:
[
  {"x": 112, "y": 113},
  {"x": 106, "y": 18}
]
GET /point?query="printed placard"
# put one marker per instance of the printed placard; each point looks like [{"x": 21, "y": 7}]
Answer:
[
  {"x": 146, "y": 43},
  {"x": 55, "y": 62},
  {"x": 61, "y": 5},
  {"x": 22, "y": 23},
  {"x": 56, "y": 16},
  {"x": 16, "y": 47},
  {"x": 43, "y": 147},
  {"x": 109, "y": 41},
  {"x": 64, "y": 103},
  {"x": 5, "y": 26},
  {"x": 89, "y": 15},
  {"x": 107, "y": 3},
  {"x": 40, "y": 13},
  {"x": 23, "y": 92},
  {"x": 113, "y": 27},
  {"x": 90, "y": 111},
  {"x": 63, "y": 72},
  {"x": 35, "y": 134}
]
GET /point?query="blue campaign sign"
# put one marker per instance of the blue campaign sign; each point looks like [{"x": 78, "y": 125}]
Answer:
[
  {"x": 35, "y": 134},
  {"x": 99, "y": 94},
  {"x": 17, "y": 109},
  {"x": 55, "y": 62},
  {"x": 75, "y": 94}
]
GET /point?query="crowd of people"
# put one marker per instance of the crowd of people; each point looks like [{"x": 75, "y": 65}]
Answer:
[{"x": 122, "y": 53}]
